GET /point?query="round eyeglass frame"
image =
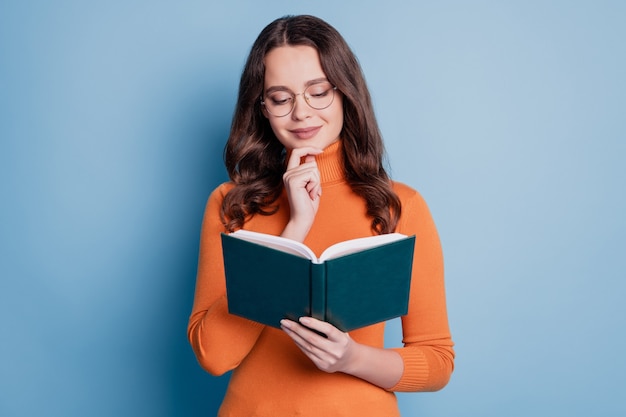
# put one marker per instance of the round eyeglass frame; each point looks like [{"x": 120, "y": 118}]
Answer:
[{"x": 306, "y": 99}]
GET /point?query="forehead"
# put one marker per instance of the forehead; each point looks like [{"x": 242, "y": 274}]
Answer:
[{"x": 292, "y": 66}]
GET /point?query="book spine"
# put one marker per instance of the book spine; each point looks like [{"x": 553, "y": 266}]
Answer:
[{"x": 318, "y": 291}]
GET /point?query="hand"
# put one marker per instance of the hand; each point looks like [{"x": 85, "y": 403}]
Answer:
[
  {"x": 332, "y": 353},
  {"x": 303, "y": 186},
  {"x": 339, "y": 353}
]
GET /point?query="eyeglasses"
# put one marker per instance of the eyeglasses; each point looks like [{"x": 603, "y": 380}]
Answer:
[{"x": 318, "y": 96}]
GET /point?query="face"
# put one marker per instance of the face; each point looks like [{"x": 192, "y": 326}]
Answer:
[{"x": 292, "y": 69}]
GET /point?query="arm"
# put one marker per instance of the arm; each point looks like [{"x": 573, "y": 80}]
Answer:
[
  {"x": 427, "y": 353},
  {"x": 337, "y": 352},
  {"x": 219, "y": 339},
  {"x": 426, "y": 360}
]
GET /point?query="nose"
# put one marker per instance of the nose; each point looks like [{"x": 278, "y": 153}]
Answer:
[{"x": 301, "y": 109}]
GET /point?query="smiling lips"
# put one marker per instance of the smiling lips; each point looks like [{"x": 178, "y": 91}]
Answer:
[{"x": 306, "y": 133}]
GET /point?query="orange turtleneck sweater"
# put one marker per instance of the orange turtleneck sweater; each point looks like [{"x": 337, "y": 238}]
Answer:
[{"x": 271, "y": 376}]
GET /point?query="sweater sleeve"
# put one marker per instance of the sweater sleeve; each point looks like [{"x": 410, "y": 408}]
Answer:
[
  {"x": 219, "y": 340},
  {"x": 427, "y": 350}
]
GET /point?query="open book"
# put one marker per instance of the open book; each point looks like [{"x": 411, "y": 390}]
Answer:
[{"x": 352, "y": 284}]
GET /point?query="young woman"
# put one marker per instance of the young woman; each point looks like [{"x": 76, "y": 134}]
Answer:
[{"x": 305, "y": 159}]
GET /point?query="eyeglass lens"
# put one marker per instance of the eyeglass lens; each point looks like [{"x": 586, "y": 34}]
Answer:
[{"x": 319, "y": 96}]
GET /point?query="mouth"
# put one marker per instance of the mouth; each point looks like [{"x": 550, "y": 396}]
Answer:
[{"x": 306, "y": 132}]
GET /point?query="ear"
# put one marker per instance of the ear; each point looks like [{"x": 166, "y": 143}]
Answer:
[{"x": 263, "y": 109}]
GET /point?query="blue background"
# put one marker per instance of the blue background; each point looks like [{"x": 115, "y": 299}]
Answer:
[{"x": 509, "y": 117}]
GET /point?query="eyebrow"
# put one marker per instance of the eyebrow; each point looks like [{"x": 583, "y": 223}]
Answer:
[{"x": 307, "y": 84}]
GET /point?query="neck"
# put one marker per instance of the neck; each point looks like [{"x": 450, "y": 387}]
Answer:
[{"x": 330, "y": 163}]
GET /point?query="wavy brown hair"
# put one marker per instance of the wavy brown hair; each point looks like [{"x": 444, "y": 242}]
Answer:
[{"x": 254, "y": 157}]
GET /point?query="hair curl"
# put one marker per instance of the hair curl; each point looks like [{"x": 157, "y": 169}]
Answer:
[{"x": 255, "y": 158}]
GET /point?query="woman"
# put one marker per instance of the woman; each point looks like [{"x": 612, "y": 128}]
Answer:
[{"x": 305, "y": 159}]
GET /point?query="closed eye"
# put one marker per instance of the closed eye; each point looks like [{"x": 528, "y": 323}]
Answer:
[
  {"x": 280, "y": 99},
  {"x": 319, "y": 90}
]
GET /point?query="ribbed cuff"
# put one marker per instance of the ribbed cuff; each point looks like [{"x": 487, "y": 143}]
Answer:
[{"x": 415, "y": 373}]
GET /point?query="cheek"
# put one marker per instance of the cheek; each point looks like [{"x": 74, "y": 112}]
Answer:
[
  {"x": 278, "y": 129},
  {"x": 336, "y": 118},
  {"x": 340, "y": 120},
  {"x": 338, "y": 112},
  {"x": 275, "y": 124}
]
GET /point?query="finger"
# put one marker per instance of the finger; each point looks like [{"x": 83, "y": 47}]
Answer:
[
  {"x": 304, "y": 335},
  {"x": 319, "y": 357},
  {"x": 312, "y": 181},
  {"x": 293, "y": 330},
  {"x": 312, "y": 344},
  {"x": 295, "y": 159},
  {"x": 314, "y": 194},
  {"x": 305, "y": 176},
  {"x": 313, "y": 186},
  {"x": 300, "y": 177},
  {"x": 332, "y": 333}
]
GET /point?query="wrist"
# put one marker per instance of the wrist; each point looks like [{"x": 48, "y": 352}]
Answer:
[
  {"x": 296, "y": 231},
  {"x": 352, "y": 357},
  {"x": 381, "y": 367}
]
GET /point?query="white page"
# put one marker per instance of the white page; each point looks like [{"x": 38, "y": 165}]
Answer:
[
  {"x": 300, "y": 249},
  {"x": 359, "y": 244},
  {"x": 277, "y": 242}
]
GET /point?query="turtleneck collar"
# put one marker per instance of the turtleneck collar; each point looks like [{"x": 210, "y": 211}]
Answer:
[{"x": 330, "y": 163}]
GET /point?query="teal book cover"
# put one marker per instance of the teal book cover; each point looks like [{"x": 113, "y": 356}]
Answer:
[{"x": 352, "y": 284}]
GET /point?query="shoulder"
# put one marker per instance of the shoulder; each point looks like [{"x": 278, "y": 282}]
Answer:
[
  {"x": 415, "y": 214},
  {"x": 220, "y": 191},
  {"x": 212, "y": 212},
  {"x": 223, "y": 188},
  {"x": 216, "y": 197},
  {"x": 407, "y": 194}
]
